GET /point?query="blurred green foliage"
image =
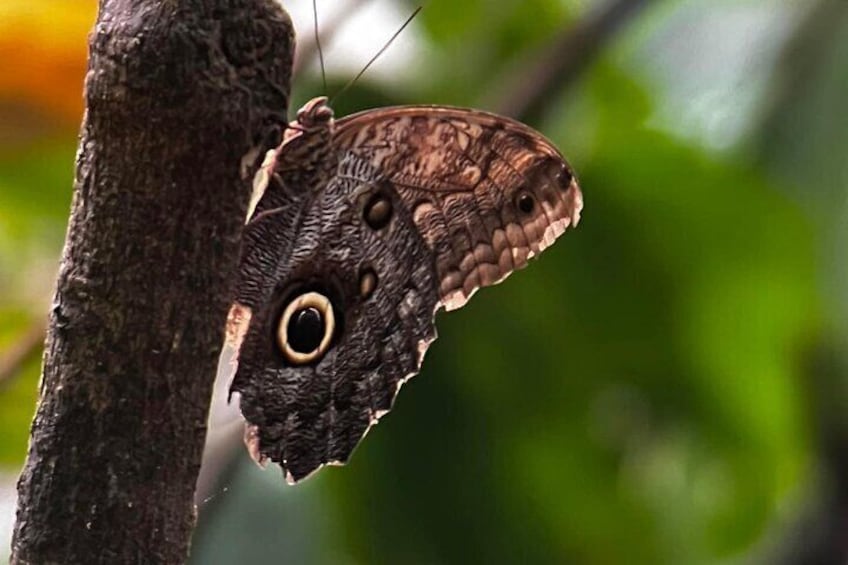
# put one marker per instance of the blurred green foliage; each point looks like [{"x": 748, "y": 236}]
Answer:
[
  {"x": 35, "y": 195},
  {"x": 639, "y": 395}
]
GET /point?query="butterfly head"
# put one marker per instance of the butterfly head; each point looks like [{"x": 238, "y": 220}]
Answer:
[
  {"x": 306, "y": 156},
  {"x": 315, "y": 114}
]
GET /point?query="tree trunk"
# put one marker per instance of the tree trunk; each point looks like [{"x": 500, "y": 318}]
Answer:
[{"x": 183, "y": 97}]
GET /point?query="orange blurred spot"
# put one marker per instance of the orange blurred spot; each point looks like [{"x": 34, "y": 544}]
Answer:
[{"x": 43, "y": 49}]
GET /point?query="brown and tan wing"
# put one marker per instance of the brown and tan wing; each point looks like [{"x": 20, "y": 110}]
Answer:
[{"x": 486, "y": 192}]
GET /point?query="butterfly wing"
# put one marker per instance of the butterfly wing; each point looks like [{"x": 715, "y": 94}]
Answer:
[
  {"x": 415, "y": 209},
  {"x": 486, "y": 192},
  {"x": 307, "y": 411}
]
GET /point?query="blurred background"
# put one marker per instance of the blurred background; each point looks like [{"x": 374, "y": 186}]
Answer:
[{"x": 666, "y": 385}]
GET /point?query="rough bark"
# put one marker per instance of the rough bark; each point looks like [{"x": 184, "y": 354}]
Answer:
[{"x": 182, "y": 97}]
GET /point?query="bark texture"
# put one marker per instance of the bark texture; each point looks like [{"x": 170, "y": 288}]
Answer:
[{"x": 183, "y": 96}]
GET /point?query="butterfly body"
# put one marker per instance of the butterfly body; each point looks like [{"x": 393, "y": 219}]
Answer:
[{"x": 364, "y": 228}]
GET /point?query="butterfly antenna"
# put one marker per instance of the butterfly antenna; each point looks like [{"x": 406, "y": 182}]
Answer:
[
  {"x": 318, "y": 42},
  {"x": 375, "y": 57}
]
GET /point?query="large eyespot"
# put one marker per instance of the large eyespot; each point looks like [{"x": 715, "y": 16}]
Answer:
[{"x": 306, "y": 327}]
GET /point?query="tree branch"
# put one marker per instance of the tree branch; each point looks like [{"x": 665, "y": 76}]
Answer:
[
  {"x": 563, "y": 60},
  {"x": 181, "y": 97}
]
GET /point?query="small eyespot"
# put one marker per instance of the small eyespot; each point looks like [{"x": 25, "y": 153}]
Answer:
[
  {"x": 305, "y": 328},
  {"x": 367, "y": 283},
  {"x": 565, "y": 177},
  {"x": 525, "y": 202},
  {"x": 378, "y": 211},
  {"x": 553, "y": 169}
]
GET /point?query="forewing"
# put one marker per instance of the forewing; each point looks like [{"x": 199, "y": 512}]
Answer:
[{"x": 486, "y": 192}]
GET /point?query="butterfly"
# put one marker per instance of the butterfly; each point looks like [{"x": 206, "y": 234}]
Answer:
[{"x": 360, "y": 230}]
